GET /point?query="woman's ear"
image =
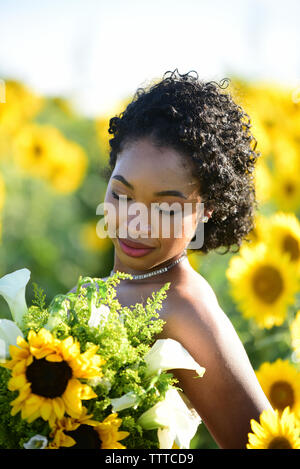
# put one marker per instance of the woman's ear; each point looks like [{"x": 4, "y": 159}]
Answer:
[{"x": 207, "y": 215}]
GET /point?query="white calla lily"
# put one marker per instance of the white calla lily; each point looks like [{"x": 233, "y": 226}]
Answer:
[
  {"x": 175, "y": 421},
  {"x": 36, "y": 442},
  {"x": 9, "y": 332},
  {"x": 168, "y": 354},
  {"x": 98, "y": 315},
  {"x": 124, "y": 402},
  {"x": 12, "y": 288}
]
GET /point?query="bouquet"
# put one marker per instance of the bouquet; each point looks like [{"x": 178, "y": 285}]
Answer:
[{"x": 85, "y": 372}]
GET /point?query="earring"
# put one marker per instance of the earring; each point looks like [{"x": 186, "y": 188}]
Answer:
[{"x": 205, "y": 219}]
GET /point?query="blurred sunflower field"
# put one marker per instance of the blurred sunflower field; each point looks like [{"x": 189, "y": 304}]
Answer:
[{"x": 51, "y": 182}]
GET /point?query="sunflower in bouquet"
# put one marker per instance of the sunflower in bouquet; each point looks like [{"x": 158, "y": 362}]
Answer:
[{"x": 85, "y": 372}]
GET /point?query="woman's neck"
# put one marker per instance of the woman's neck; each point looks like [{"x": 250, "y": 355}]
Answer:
[{"x": 174, "y": 272}]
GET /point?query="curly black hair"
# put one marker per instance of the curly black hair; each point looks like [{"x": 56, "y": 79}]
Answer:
[{"x": 212, "y": 132}]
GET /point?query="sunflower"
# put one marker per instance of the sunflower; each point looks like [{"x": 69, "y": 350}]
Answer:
[
  {"x": 108, "y": 432},
  {"x": 66, "y": 426},
  {"x": 102, "y": 125},
  {"x": 263, "y": 283},
  {"x": 263, "y": 181},
  {"x": 194, "y": 259},
  {"x": 275, "y": 431},
  {"x": 280, "y": 382},
  {"x": 285, "y": 188},
  {"x": 67, "y": 173},
  {"x": 44, "y": 152},
  {"x": 34, "y": 147},
  {"x": 257, "y": 234},
  {"x": 284, "y": 231},
  {"x": 47, "y": 371},
  {"x": 295, "y": 334},
  {"x": 84, "y": 433},
  {"x": 21, "y": 105},
  {"x": 93, "y": 237}
]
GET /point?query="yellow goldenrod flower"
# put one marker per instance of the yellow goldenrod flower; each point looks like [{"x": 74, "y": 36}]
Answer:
[
  {"x": 275, "y": 431},
  {"x": 280, "y": 382},
  {"x": 263, "y": 282},
  {"x": 47, "y": 372}
]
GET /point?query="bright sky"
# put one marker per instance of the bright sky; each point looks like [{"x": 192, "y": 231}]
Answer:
[{"x": 98, "y": 52}]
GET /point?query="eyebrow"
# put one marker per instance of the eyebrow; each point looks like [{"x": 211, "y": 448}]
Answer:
[{"x": 120, "y": 178}]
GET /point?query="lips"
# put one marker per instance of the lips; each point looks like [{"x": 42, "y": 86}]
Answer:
[
  {"x": 135, "y": 245},
  {"x": 134, "y": 249}
]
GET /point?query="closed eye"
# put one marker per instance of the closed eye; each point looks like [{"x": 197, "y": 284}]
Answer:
[
  {"x": 171, "y": 212},
  {"x": 116, "y": 196}
]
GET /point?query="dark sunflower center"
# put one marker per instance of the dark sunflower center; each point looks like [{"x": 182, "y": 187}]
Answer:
[
  {"x": 281, "y": 395},
  {"x": 48, "y": 379},
  {"x": 37, "y": 150},
  {"x": 291, "y": 245},
  {"x": 289, "y": 188},
  {"x": 86, "y": 438},
  {"x": 267, "y": 283},
  {"x": 280, "y": 442}
]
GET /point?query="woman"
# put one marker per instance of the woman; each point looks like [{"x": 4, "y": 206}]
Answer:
[{"x": 183, "y": 141}]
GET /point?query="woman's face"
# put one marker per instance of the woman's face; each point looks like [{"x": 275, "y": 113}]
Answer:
[{"x": 149, "y": 176}]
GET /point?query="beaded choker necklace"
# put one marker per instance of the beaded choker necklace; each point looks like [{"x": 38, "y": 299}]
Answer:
[{"x": 155, "y": 272}]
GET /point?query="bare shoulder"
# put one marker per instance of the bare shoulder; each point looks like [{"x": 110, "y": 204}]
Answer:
[
  {"x": 229, "y": 390},
  {"x": 195, "y": 318},
  {"x": 196, "y": 303}
]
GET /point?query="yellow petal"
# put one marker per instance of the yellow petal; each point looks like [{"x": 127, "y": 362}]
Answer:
[
  {"x": 53, "y": 357},
  {"x": 87, "y": 392},
  {"x": 46, "y": 409},
  {"x": 58, "y": 407},
  {"x": 33, "y": 416},
  {"x": 72, "y": 398},
  {"x": 20, "y": 368},
  {"x": 17, "y": 382},
  {"x": 21, "y": 342},
  {"x": 17, "y": 353},
  {"x": 30, "y": 408}
]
